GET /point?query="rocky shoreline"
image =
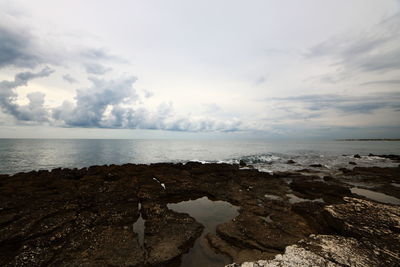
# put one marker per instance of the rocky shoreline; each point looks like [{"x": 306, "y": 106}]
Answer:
[
  {"x": 85, "y": 217},
  {"x": 366, "y": 234}
]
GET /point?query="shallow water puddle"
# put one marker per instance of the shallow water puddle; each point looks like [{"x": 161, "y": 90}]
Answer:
[
  {"x": 380, "y": 197},
  {"x": 295, "y": 199},
  {"x": 138, "y": 227},
  {"x": 362, "y": 184},
  {"x": 210, "y": 214}
]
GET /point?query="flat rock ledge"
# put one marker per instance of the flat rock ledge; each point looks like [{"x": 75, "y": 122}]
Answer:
[
  {"x": 369, "y": 236},
  {"x": 120, "y": 216}
]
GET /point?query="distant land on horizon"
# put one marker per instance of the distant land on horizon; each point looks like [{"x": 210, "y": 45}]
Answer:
[{"x": 369, "y": 139}]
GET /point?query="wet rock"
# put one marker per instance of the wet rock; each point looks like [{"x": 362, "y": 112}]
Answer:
[
  {"x": 290, "y": 161},
  {"x": 168, "y": 235},
  {"x": 395, "y": 158},
  {"x": 103, "y": 246},
  {"x": 85, "y": 216},
  {"x": 369, "y": 237},
  {"x": 239, "y": 253},
  {"x": 242, "y": 163},
  {"x": 344, "y": 170},
  {"x": 379, "y": 179},
  {"x": 357, "y": 156},
  {"x": 375, "y": 174},
  {"x": 250, "y": 236},
  {"x": 313, "y": 212},
  {"x": 316, "y": 165},
  {"x": 352, "y": 163},
  {"x": 388, "y": 189},
  {"x": 330, "y": 193},
  {"x": 328, "y": 178}
]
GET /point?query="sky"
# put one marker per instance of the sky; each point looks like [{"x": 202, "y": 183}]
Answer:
[{"x": 199, "y": 69}]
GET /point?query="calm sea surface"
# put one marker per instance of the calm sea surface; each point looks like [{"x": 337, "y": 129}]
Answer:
[{"x": 18, "y": 155}]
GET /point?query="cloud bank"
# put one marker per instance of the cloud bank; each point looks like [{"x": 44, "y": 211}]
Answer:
[
  {"x": 106, "y": 104},
  {"x": 346, "y": 104}
]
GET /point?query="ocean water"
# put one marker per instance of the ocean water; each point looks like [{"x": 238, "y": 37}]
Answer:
[{"x": 22, "y": 155}]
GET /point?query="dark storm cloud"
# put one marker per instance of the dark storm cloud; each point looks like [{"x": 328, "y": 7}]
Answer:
[
  {"x": 16, "y": 48},
  {"x": 375, "y": 51},
  {"x": 347, "y": 104},
  {"x": 35, "y": 110}
]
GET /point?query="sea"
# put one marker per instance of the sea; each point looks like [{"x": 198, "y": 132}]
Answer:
[{"x": 24, "y": 155}]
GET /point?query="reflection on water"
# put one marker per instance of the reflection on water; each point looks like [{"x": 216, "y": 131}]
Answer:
[
  {"x": 210, "y": 214},
  {"x": 357, "y": 183},
  {"x": 380, "y": 197},
  {"x": 138, "y": 227},
  {"x": 295, "y": 199}
]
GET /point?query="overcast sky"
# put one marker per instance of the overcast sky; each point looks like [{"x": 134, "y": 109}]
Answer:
[{"x": 201, "y": 69}]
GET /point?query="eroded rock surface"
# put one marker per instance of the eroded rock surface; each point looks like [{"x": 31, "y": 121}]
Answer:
[
  {"x": 370, "y": 235},
  {"x": 384, "y": 180},
  {"x": 85, "y": 217}
]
